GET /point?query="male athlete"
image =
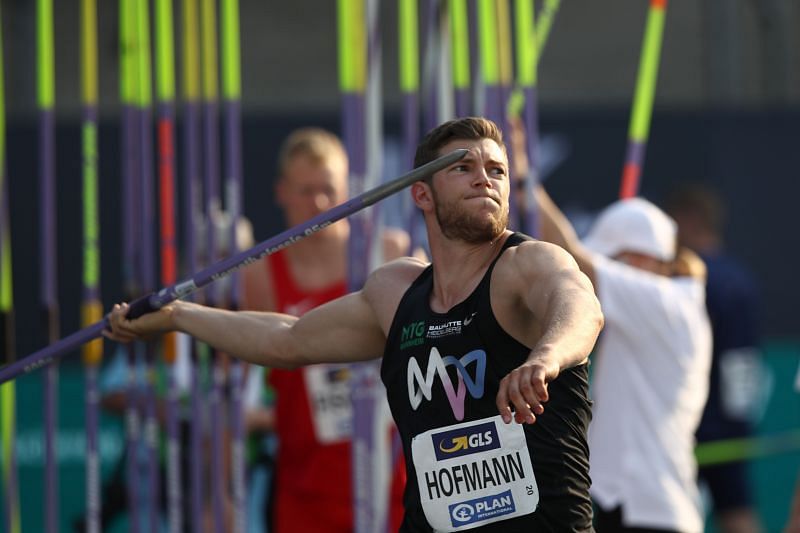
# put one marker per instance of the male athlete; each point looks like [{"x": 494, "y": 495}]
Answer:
[{"x": 484, "y": 351}]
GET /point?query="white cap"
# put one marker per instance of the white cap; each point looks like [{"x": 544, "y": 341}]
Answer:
[{"x": 633, "y": 225}]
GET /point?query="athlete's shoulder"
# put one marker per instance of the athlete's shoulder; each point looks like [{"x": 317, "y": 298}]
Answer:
[
  {"x": 535, "y": 254},
  {"x": 386, "y": 286},
  {"x": 402, "y": 271}
]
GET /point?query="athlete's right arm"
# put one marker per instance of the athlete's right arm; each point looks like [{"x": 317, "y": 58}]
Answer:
[{"x": 350, "y": 328}]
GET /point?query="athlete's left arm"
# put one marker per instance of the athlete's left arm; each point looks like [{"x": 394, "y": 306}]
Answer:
[{"x": 540, "y": 283}]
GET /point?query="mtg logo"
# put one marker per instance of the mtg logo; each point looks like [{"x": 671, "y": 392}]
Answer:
[
  {"x": 466, "y": 440},
  {"x": 420, "y": 386}
]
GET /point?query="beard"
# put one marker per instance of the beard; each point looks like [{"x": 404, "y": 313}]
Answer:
[{"x": 459, "y": 223}]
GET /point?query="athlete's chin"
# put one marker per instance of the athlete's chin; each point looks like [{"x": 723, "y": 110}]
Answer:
[{"x": 478, "y": 232}]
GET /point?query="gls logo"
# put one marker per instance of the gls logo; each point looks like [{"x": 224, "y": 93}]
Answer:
[
  {"x": 419, "y": 386},
  {"x": 464, "y": 441}
]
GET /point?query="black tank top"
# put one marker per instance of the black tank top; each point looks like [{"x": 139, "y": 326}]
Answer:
[{"x": 476, "y": 354}]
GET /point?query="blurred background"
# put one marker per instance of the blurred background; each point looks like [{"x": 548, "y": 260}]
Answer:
[{"x": 726, "y": 113}]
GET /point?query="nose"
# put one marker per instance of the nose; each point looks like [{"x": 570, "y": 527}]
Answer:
[{"x": 481, "y": 178}]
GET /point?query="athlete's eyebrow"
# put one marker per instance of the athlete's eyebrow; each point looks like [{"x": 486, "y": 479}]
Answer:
[{"x": 468, "y": 157}]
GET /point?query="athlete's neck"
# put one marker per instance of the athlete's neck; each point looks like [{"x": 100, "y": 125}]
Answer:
[{"x": 459, "y": 268}]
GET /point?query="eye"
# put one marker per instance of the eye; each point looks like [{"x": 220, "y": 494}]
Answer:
[
  {"x": 498, "y": 171},
  {"x": 460, "y": 168}
]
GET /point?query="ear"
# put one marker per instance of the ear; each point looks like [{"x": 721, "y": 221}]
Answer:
[{"x": 422, "y": 195}]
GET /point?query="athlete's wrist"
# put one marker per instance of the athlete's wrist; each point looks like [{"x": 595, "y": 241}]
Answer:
[{"x": 546, "y": 357}]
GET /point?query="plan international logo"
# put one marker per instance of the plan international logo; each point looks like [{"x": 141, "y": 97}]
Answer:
[
  {"x": 420, "y": 386},
  {"x": 481, "y": 509},
  {"x": 464, "y": 441}
]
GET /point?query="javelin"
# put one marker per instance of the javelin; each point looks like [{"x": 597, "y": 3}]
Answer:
[
  {"x": 92, "y": 308},
  {"x": 156, "y": 300},
  {"x": 231, "y": 91},
  {"x": 49, "y": 293},
  {"x": 211, "y": 199},
  {"x": 643, "y": 98},
  {"x": 191, "y": 171},
  {"x": 8, "y": 409},
  {"x": 165, "y": 88}
]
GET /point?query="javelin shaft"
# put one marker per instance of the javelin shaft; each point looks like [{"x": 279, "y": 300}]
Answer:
[
  {"x": 460, "y": 55},
  {"x": 129, "y": 145},
  {"x": 49, "y": 293},
  {"x": 231, "y": 92},
  {"x": 165, "y": 84},
  {"x": 191, "y": 126},
  {"x": 489, "y": 63},
  {"x": 408, "y": 55},
  {"x": 208, "y": 26},
  {"x": 643, "y": 98},
  {"x": 147, "y": 243},
  {"x": 505, "y": 81},
  {"x": 8, "y": 410},
  {"x": 92, "y": 309},
  {"x": 157, "y": 300}
]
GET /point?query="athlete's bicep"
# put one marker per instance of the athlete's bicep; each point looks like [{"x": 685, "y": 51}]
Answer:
[{"x": 342, "y": 330}]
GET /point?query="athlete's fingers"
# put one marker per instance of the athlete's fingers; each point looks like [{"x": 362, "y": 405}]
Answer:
[
  {"x": 529, "y": 392},
  {"x": 502, "y": 403},
  {"x": 538, "y": 383},
  {"x": 120, "y": 326},
  {"x": 522, "y": 408}
]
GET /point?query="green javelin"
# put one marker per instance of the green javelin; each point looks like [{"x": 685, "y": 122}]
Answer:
[
  {"x": 352, "y": 46},
  {"x": 408, "y": 29},
  {"x": 644, "y": 97},
  {"x": 489, "y": 63},
  {"x": 231, "y": 94},
  {"x": 545, "y": 22},
  {"x": 531, "y": 39},
  {"x": 45, "y": 55},
  {"x": 459, "y": 49},
  {"x": 8, "y": 390},
  {"x": 231, "y": 53},
  {"x": 165, "y": 97},
  {"x": 92, "y": 308}
]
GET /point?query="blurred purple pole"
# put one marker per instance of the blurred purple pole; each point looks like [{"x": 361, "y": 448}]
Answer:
[
  {"x": 231, "y": 91},
  {"x": 47, "y": 249},
  {"x": 208, "y": 25},
  {"x": 130, "y": 172},
  {"x": 192, "y": 210}
]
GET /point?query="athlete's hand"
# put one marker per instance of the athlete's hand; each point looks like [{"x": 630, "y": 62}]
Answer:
[
  {"x": 524, "y": 390},
  {"x": 124, "y": 330}
]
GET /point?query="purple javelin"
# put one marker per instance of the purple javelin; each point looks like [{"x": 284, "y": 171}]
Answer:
[{"x": 157, "y": 300}]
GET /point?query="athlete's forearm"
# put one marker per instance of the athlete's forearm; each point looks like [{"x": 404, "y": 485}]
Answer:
[{"x": 254, "y": 337}]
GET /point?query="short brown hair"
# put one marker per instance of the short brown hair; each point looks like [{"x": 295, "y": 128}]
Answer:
[
  {"x": 316, "y": 144},
  {"x": 469, "y": 128}
]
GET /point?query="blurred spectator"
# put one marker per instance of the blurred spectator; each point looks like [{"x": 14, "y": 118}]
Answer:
[
  {"x": 737, "y": 375},
  {"x": 651, "y": 365},
  {"x": 651, "y": 362},
  {"x": 313, "y": 411}
]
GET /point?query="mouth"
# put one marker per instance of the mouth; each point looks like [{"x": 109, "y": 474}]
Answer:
[{"x": 484, "y": 197}]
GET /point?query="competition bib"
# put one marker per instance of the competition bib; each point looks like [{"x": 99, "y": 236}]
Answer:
[
  {"x": 474, "y": 473},
  {"x": 328, "y": 389}
]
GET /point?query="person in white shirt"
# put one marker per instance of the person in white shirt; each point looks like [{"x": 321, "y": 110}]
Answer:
[{"x": 651, "y": 365}]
